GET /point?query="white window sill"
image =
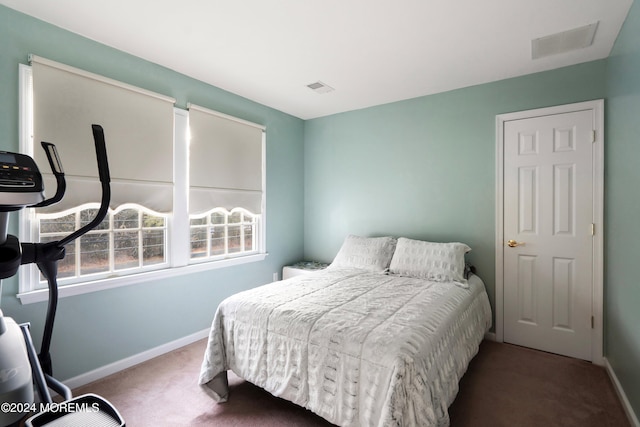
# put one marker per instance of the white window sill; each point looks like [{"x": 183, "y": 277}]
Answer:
[{"x": 133, "y": 279}]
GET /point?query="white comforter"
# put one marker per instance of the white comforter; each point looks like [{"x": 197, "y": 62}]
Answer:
[{"x": 357, "y": 348}]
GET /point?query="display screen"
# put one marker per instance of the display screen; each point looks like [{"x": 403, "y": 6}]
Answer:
[{"x": 7, "y": 158}]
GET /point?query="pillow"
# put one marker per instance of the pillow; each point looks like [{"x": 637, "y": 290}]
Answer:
[
  {"x": 368, "y": 253},
  {"x": 439, "y": 262}
]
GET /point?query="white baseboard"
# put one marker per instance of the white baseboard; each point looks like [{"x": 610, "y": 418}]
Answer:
[
  {"x": 633, "y": 419},
  {"x": 128, "y": 362}
]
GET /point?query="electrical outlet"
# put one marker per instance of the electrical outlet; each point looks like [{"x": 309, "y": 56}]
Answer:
[{"x": 275, "y": 276}]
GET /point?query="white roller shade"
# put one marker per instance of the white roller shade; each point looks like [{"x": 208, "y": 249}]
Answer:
[
  {"x": 225, "y": 162},
  {"x": 138, "y": 128}
]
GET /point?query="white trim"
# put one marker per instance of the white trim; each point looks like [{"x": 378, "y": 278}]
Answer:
[
  {"x": 25, "y": 221},
  {"x": 120, "y": 365},
  {"x": 179, "y": 221},
  {"x": 262, "y": 219},
  {"x": 597, "y": 106},
  {"x": 25, "y": 81},
  {"x": 133, "y": 279},
  {"x": 598, "y": 239},
  {"x": 499, "y": 284},
  {"x": 98, "y": 77},
  {"x": 628, "y": 409}
]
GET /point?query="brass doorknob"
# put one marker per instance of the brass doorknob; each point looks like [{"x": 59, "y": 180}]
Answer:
[{"x": 513, "y": 243}]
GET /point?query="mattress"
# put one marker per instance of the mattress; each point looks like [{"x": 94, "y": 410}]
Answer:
[{"x": 355, "y": 347}]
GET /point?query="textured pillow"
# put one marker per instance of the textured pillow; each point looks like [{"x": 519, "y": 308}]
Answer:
[
  {"x": 439, "y": 262},
  {"x": 368, "y": 253}
]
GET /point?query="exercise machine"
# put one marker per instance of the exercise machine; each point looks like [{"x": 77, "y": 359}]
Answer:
[{"x": 23, "y": 373}]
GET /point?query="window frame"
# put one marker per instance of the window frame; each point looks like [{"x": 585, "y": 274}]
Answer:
[{"x": 178, "y": 250}]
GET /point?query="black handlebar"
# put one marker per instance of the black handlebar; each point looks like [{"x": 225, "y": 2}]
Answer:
[
  {"x": 56, "y": 167},
  {"x": 105, "y": 179},
  {"x": 47, "y": 255},
  {"x": 101, "y": 153}
]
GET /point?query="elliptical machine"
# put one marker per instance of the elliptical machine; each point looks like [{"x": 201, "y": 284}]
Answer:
[{"x": 21, "y": 369}]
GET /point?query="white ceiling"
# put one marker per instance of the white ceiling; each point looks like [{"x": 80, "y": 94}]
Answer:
[{"x": 371, "y": 51}]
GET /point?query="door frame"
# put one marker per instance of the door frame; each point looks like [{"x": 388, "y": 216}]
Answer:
[{"x": 597, "y": 109}]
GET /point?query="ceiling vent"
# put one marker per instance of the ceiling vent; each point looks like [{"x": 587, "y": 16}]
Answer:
[
  {"x": 577, "y": 38},
  {"x": 320, "y": 87}
]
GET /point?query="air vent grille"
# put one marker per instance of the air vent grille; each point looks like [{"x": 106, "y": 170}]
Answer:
[
  {"x": 577, "y": 38},
  {"x": 320, "y": 87}
]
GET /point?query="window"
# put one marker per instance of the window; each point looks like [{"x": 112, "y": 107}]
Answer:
[
  {"x": 221, "y": 233},
  {"x": 187, "y": 194},
  {"x": 226, "y": 185},
  {"x": 131, "y": 238}
]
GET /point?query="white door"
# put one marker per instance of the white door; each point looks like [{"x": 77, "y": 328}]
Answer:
[{"x": 548, "y": 232}]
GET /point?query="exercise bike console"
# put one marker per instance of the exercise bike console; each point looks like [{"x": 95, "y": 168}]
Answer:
[{"x": 20, "y": 181}]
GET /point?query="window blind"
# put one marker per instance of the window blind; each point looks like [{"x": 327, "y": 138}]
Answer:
[
  {"x": 226, "y": 159},
  {"x": 138, "y": 127}
]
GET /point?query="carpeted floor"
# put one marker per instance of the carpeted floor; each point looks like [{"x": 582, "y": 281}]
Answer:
[{"x": 505, "y": 385}]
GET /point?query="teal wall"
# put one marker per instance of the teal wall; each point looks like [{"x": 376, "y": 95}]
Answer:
[
  {"x": 96, "y": 329},
  {"x": 423, "y": 168},
  {"x": 622, "y": 208}
]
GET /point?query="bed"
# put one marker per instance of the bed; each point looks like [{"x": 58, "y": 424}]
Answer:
[{"x": 380, "y": 338}]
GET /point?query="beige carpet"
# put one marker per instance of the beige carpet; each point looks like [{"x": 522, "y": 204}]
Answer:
[{"x": 505, "y": 386}]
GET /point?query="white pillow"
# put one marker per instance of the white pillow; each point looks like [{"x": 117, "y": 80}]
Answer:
[
  {"x": 439, "y": 262},
  {"x": 368, "y": 253}
]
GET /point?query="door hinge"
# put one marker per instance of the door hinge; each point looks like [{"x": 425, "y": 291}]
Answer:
[
  {"x": 593, "y": 322},
  {"x": 593, "y": 136},
  {"x": 593, "y": 229}
]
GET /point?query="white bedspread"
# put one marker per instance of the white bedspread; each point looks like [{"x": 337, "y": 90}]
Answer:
[{"x": 357, "y": 348}]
